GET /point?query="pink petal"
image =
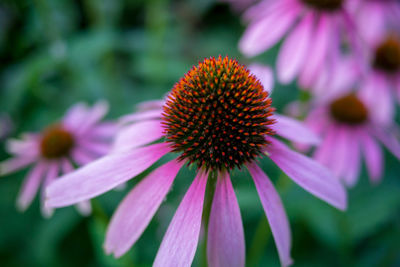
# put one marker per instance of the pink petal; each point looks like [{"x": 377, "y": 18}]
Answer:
[
  {"x": 138, "y": 208},
  {"x": 75, "y": 116},
  {"x": 373, "y": 156},
  {"x": 323, "y": 153},
  {"x": 294, "y": 50},
  {"x": 340, "y": 151},
  {"x": 102, "y": 175},
  {"x": 139, "y": 116},
  {"x": 82, "y": 157},
  {"x": 294, "y": 130},
  {"x": 275, "y": 212},
  {"x": 94, "y": 115},
  {"x": 15, "y": 164},
  {"x": 388, "y": 139},
  {"x": 179, "y": 244},
  {"x": 52, "y": 173},
  {"x": 352, "y": 170},
  {"x": 319, "y": 48},
  {"x": 66, "y": 166},
  {"x": 137, "y": 135},
  {"x": 225, "y": 244},
  {"x": 150, "y": 105},
  {"x": 84, "y": 208},
  {"x": 104, "y": 130},
  {"x": 28, "y": 147},
  {"x": 31, "y": 186},
  {"x": 97, "y": 148},
  {"x": 310, "y": 175},
  {"x": 264, "y": 74},
  {"x": 263, "y": 34}
]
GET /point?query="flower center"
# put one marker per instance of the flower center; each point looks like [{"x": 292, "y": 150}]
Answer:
[
  {"x": 218, "y": 115},
  {"x": 387, "y": 56},
  {"x": 56, "y": 142},
  {"x": 349, "y": 109},
  {"x": 324, "y": 5}
]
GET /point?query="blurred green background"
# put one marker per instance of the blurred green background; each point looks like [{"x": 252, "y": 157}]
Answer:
[{"x": 55, "y": 53}]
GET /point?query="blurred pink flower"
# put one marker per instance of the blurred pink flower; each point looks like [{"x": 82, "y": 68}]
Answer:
[
  {"x": 382, "y": 70},
  {"x": 350, "y": 131},
  {"x": 77, "y": 139},
  {"x": 319, "y": 29},
  {"x": 217, "y": 136}
]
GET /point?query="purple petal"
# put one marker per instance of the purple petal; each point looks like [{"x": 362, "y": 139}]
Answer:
[
  {"x": 319, "y": 47},
  {"x": 150, "y": 105},
  {"x": 93, "y": 115},
  {"x": 144, "y": 115},
  {"x": 102, "y": 175},
  {"x": 266, "y": 32},
  {"x": 138, "y": 134},
  {"x": 82, "y": 157},
  {"x": 294, "y": 130},
  {"x": 31, "y": 185},
  {"x": 264, "y": 74},
  {"x": 95, "y": 147},
  {"x": 310, "y": 175},
  {"x": 353, "y": 165},
  {"x": 84, "y": 208},
  {"x": 52, "y": 173},
  {"x": 75, "y": 116},
  {"x": 323, "y": 153},
  {"x": 225, "y": 244},
  {"x": 373, "y": 156},
  {"x": 138, "y": 208},
  {"x": 388, "y": 139},
  {"x": 15, "y": 164},
  {"x": 275, "y": 212},
  {"x": 294, "y": 50},
  {"x": 29, "y": 147},
  {"x": 179, "y": 244}
]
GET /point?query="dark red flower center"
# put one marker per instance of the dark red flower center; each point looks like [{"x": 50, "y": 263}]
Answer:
[
  {"x": 349, "y": 109},
  {"x": 217, "y": 115},
  {"x": 387, "y": 56},
  {"x": 324, "y": 5},
  {"x": 56, "y": 142}
]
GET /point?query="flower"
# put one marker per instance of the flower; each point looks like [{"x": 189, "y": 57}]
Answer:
[
  {"x": 316, "y": 38},
  {"x": 77, "y": 139},
  {"x": 349, "y": 129},
  {"x": 217, "y": 117},
  {"x": 382, "y": 71}
]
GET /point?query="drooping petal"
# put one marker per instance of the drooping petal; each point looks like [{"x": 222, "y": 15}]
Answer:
[
  {"x": 310, "y": 175},
  {"x": 102, "y": 175},
  {"x": 150, "y": 105},
  {"x": 179, "y": 244},
  {"x": 275, "y": 212},
  {"x": 294, "y": 50},
  {"x": 388, "y": 139},
  {"x": 104, "y": 130},
  {"x": 294, "y": 130},
  {"x": 137, "y": 135},
  {"x": 266, "y": 32},
  {"x": 323, "y": 153},
  {"x": 15, "y": 164},
  {"x": 31, "y": 185},
  {"x": 264, "y": 74},
  {"x": 225, "y": 243},
  {"x": 84, "y": 208},
  {"x": 95, "y": 147},
  {"x": 352, "y": 170},
  {"x": 75, "y": 116},
  {"x": 373, "y": 156},
  {"x": 23, "y": 148},
  {"x": 51, "y": 175},
  {"x": 319, "y": 47},
  {"x": 138, "y": 208}
]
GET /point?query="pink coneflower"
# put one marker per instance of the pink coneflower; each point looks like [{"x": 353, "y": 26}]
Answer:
[
  {"x": 316, "y": 37},
  {"x": 382, "y": 72},
  {"x": 76, "y": 140},
  {"x": 350, "y": 131},
  {"x": 217, "y": 117}
]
